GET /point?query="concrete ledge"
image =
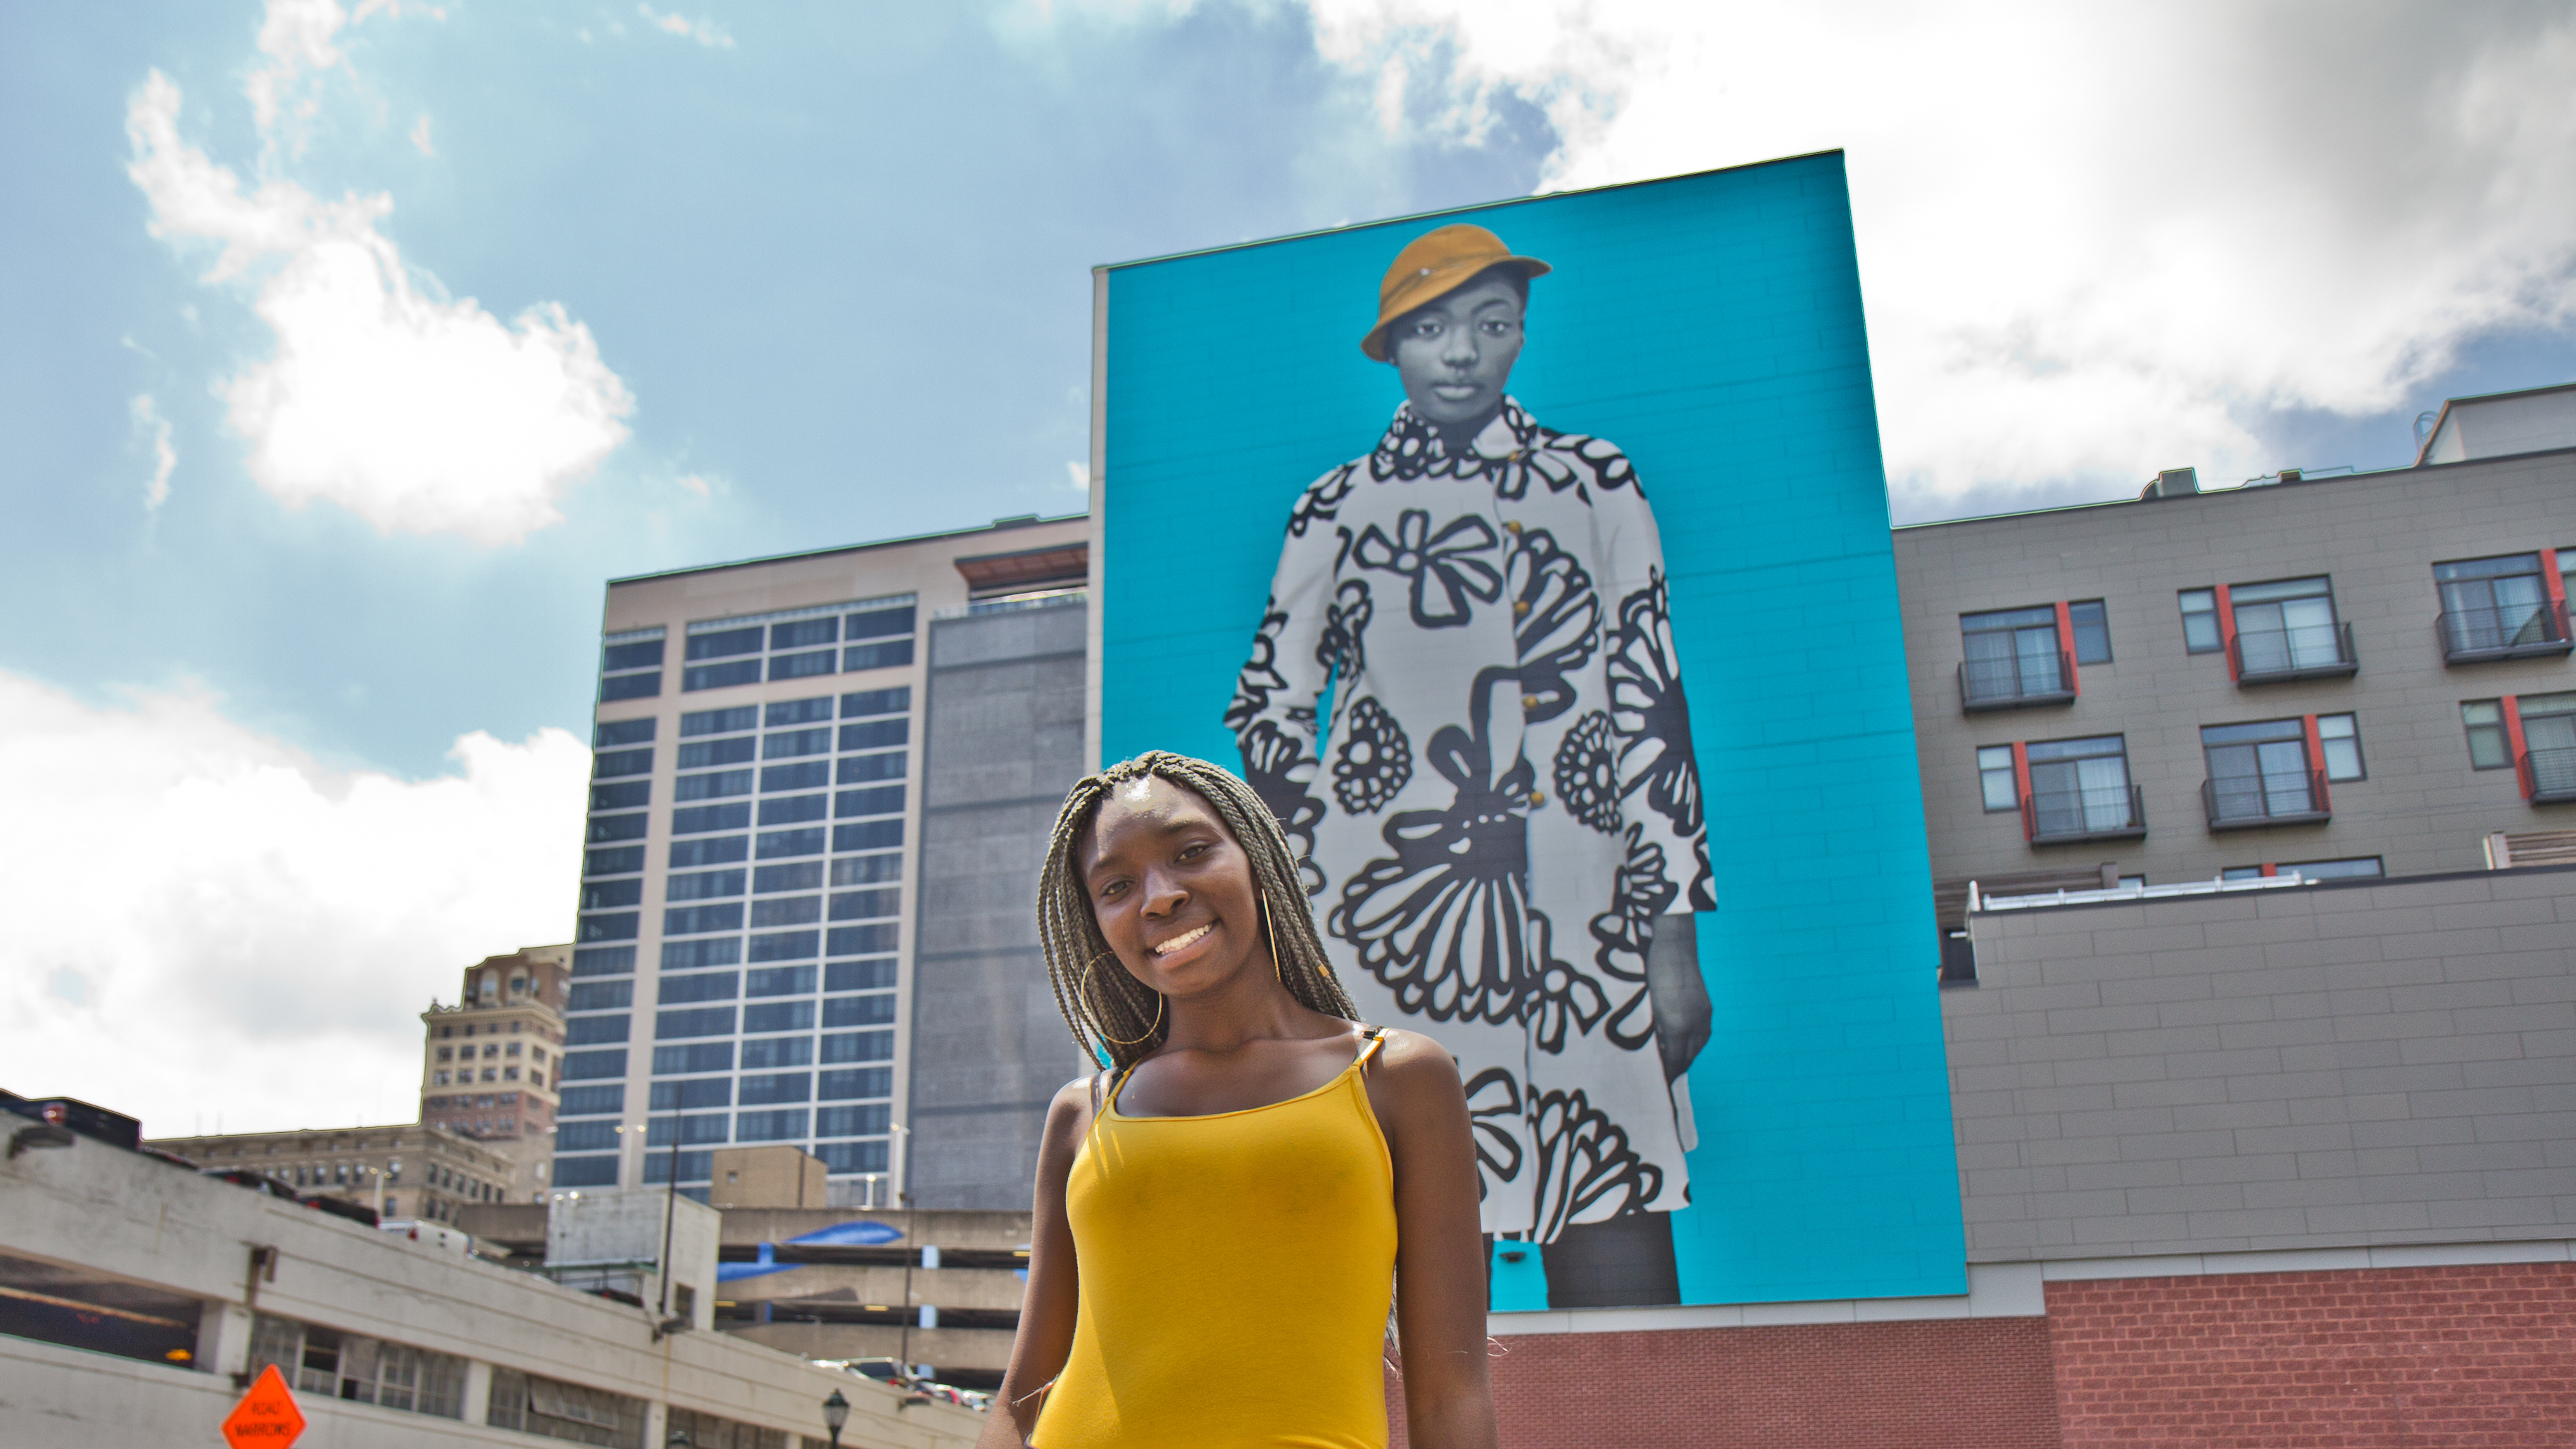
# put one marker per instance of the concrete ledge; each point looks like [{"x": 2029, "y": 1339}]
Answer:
[{"x": 2311, "y": 1260}]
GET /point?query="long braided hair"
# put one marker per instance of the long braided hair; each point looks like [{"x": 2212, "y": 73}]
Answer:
[{"x": 1111, "y": 1012}]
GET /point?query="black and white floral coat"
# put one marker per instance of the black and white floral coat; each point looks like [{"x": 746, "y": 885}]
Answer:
[{"x": 1503, "y": 798}]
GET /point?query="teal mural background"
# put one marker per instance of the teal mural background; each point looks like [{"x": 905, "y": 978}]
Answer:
[{"x": 1711, "y": 326}]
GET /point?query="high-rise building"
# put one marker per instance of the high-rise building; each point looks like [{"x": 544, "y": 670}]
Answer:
[
  {"x": 742, "y": 971},
  {"x": 488, "y": 1062}
]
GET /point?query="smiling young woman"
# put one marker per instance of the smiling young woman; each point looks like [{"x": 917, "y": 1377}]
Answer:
[{"x": 1224, "y": 1215}]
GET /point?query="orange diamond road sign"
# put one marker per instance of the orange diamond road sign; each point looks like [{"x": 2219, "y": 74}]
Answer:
[{"x": 266, "y": 1418}]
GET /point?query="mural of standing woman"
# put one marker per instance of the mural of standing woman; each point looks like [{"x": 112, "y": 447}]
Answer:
[{"x": 1463, "y": 704}]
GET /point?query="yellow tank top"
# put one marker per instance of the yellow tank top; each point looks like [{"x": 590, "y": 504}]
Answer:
[{"x": 1235, "y": 1272}]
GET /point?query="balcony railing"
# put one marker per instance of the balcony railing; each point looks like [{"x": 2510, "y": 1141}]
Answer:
[
  {"x": 2470, "y": 636},
  {"x": 2308, "y": 651},
  {"x": 2549, "y": 776},
  {"x": 2062, "y": 817},
  {"x": 2242, "y": 802},
  {"x": 2016, "y": 681}
]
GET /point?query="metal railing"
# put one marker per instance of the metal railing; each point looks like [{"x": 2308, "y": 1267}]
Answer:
[
  {"x": 2240, "y": 802},
  {"x": 2054, "y": 817},
  {"x": 2307, "y": 651},
  {"x": 2471, "y": 635},
  {"x": 2013, "y": 682},
  {"x": 2548, "y": 775}
]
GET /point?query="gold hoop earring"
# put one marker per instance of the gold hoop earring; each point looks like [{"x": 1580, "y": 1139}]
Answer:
[
  {"x": 1159, "y": 1003},
  {"x": 1272, "y": 932}
]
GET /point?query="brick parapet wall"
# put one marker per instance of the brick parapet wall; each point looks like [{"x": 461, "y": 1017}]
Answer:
[
  {"x": 2479, "y": 1356},
  {"x": 1979, "y": 1383}
]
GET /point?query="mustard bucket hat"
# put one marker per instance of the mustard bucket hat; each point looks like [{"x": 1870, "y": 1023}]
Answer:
[{"x": 1432, "y": 266}]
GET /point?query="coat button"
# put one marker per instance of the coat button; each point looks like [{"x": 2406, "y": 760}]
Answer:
[
  {"x": 1529, "y": 701},
  {"x": 1538, "y": 797}
]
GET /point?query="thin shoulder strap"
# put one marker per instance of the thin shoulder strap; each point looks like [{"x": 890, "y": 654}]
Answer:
[
  {"x": 1099, "y": 1083},
  {"x": 1372, "y": 1037}
]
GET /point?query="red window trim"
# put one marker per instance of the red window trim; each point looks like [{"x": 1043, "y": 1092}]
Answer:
[
  {"x": 2552, "y": 578},
  {"x": 2066, "y": 645},
  {"x": 2021, "y": 783},
  {"x": 2226, "y": 627},
  {"x": 2317, "y": 762},
  {"x": 2513, "y": 745}
]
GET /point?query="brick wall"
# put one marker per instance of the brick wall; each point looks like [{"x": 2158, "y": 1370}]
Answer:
[
  {"x": 2467, "y": 1356},
  {"x": 1980, "y": 1383}
]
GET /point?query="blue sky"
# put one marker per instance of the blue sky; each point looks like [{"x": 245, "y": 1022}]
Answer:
[{"x": 351, "y": 349}]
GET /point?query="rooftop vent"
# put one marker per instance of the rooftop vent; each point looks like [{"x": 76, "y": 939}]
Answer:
[{"x": 2172, "y": 483}]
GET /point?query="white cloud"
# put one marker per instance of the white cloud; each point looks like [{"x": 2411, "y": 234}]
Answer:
[
  {"x": 231, "y": 927},
  {"x": 704, "y": 32},
  {"x": 1080, "y": 474},
  {"x": 2093, "y": 241},
  {"x": 165, "y": 458},
  {"x": 420, "y": 136},
  {"x": 418, "y": 413}
]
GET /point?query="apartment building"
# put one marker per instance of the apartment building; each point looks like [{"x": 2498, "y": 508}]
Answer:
[
  {"x": 488, "y": 1062},
  {"x": 743, "y": 971},
  {"x": 414, "y": 1170},
  {"x": 2359, "y": 675}
]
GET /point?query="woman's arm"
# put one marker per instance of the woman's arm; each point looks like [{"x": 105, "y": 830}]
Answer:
[
  {"x": 1440, "y": 1251},
  {"x": 1047, "y": 1307}
]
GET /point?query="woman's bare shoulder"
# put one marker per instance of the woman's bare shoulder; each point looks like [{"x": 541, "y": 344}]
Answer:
[{"x": 1411, "y": 1058}]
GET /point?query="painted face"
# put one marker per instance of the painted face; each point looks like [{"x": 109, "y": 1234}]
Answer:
[
  {"x": 1171, "y": 888},
  {"x": 1456, "y": 353}
]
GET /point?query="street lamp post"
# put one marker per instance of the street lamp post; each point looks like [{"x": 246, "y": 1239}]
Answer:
[{"x": 836, "y": 1412}]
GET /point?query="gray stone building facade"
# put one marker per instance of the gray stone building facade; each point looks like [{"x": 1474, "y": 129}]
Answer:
[{"x": 2354, "y": 675}]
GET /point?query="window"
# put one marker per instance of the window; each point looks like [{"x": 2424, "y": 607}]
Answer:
[
  {"x": 776, "y": 1088},
  {"x": 687, "y": 853},
  {"x": 594, "y": 1101},
  {"x": 791, "y": 809},
  {"x": 693, "y": 1131},
  {"x": 788, "y": 744},
  {"x": 631, "y": 795},
  {"x": 716, "y": 786},
  {"x": 865, "y": 905},
  {"x": 690, "y": 955},
  {"x": 681, "y": 1096},
  {"x": 785, "y": 946},
  {"x": 786, "y": 911},
  {"x": 2092, "y": 631},
  {"x": 881, "y": 623},
  {"x": 859, "y": 1083},
  {"x": 335, "y": 1365},
  {"x": 554, "y": 1410},
  {"x": 438, "y": 1079},
  {"x": 2200, "y": 633},
  {"x": 870, "y": 835},
  {"x": 2260, "y": 774},
  {"x": 612, "y": 764},
  {"x": 852, "y": 1156},
  {"x": 867, "y": 1121},
  {"x": 770, "y": 879},
  {"x": 2494, "y": 608},
  {"x": 2549, "y": 745},
  {"x": 780, "y": 1051},
  {"x": 2287, "y": 628},
  {"x": 789, "y": 844},
  {"x": 720, "y": 721},
  {"x": 601, "y": 996},
  {"x": 2079, "y": 789},
  {"x": 875, "y": 734},
  {"x": 705, "y": 1430},
  {"x": 863, "y": 940},
  {"x": 591, "y": 1066},
  {"x": 712, "y": 986},
  {"x": 798, "y": 711},
  {"x": 805, "y": 634},
  {"x": 867, "y": 869},
  {"x": 2013, "y": 656},
  {"x": 862, "y": 769},
  {"x": 583, "y": 1172},
  {"x": 871, "y": 975},
  {"x": 705, "y": 753},
  {"x": 705, "y": 819},
  {"x": 704, "y": 886},
  {"x": 723, "y": 643},
  {"x": 617, "y": 861},
  {"x": 779, "y": 981},
  {"x": 890, "y": 655},
  {"x": 2340, "y": 737},
  {"x": 769, "y": 1126},
  {"x": 593, "y": 1031},
  {"x": 879, "y": 800},
  {"x": 719, "y": 676},
  {"x": 621, "y": 926},
  {"x": 622, "y": 732},
  {"x": 811, "y": 775},
  {"x": 619, "y": 658},
  {"x": 862, "y": 703},
  {"x": 778, "y": 1016},
  {"x": 702, "y": 920},
  {"x": 1994, "y": 778},
  {"x": 702, "y": 1021},
  {"x": 858, "y": 1010},
  {"x": 2489, "y": 747},
  {"x": 713, "y": 1056}
]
